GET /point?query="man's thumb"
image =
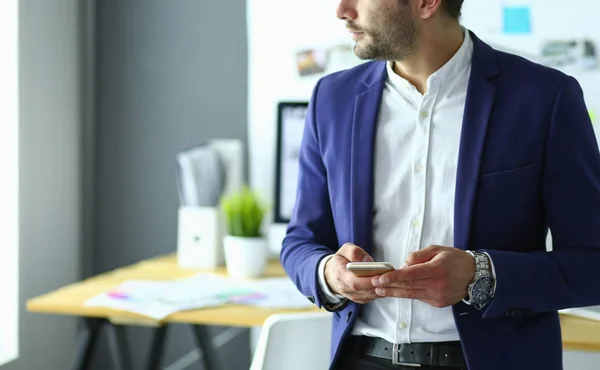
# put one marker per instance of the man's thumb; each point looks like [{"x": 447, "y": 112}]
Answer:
[
  {"x": 354, "y": 253},
  {"x": 421, "y": 256}
]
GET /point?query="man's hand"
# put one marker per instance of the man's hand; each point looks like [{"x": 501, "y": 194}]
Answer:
[
  {"x": 436, "y": 275},
  {"x": 341, "y": 281}
]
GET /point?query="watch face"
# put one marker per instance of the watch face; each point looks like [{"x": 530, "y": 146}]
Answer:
[{"x": 482, "y": 289}]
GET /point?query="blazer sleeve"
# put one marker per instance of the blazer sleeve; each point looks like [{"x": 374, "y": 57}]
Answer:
[
  {"x": 311, "y": 233},
  {"x": 566, "y": 277}
]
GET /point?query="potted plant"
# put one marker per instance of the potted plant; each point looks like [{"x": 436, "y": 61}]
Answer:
[{"x": 245, "y": 247}]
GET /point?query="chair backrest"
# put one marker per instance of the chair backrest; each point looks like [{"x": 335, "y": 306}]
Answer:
[{"x": 294, "y": 342}]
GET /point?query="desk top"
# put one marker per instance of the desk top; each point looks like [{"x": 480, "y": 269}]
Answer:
[
  {"x": 70, "y": 300},
  {"x": 578, "y": 334}
]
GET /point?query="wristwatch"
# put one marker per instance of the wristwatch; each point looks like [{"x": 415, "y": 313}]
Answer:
[{"x": 481, "y": 289}]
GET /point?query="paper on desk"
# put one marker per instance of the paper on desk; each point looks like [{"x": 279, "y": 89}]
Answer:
[
  {"x": 276, "y": 293},
  {"x": 590, "y": 312},
  {"x": 159, "y": 299}
]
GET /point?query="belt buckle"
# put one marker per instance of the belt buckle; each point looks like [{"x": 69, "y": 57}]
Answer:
[{"x": 396, "y": 360}]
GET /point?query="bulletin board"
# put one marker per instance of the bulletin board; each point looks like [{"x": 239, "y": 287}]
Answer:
[
  {"x": 555, "y": 33},
  {"x": 294, "y": 43}
]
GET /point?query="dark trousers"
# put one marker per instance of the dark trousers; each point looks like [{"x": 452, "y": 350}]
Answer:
[{"x": 353, "y": 361}]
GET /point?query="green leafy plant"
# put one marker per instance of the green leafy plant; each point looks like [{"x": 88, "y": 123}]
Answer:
[{"x": 244, "y": 212}]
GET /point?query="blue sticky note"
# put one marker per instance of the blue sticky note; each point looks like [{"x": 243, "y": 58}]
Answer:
[{"x": 517, "y": 19}]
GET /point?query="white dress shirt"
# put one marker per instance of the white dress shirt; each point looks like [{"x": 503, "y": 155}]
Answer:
[{"x": 416, "y": 157}]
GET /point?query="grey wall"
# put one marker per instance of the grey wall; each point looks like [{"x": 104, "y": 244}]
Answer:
[
  {"x": 170, "y": 75},
  {"x": 50, "y": 174}
]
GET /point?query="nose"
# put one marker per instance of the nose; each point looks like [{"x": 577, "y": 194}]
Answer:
[{"x": 346, "y": 10}]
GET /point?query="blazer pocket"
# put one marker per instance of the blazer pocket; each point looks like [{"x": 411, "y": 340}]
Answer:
[
  {"x": 522, "y": 179},
  {"x": 509, "y": 171}
]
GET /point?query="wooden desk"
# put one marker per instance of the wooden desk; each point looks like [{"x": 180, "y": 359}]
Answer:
[
  {"x": 578, "y": 334},
  {"x": 70, "y": 300}
]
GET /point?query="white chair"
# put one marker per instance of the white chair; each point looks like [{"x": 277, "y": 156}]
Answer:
[{"x": 294, "y": 342}]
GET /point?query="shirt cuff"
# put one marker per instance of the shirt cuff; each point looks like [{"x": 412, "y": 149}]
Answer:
[{"x": 329, "y": 296}]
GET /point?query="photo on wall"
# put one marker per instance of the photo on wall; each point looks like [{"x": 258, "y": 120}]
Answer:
[
  {"x": 325, "y": 60},
  {"x": 581, "y": 54},
  {"x": 312, "y": 61}
]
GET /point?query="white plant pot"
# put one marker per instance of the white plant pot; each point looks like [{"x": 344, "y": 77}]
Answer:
[{"x": 245, "y": 257}]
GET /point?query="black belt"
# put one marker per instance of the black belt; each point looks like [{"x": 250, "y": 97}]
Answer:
[{"x": 441, "y": 354}]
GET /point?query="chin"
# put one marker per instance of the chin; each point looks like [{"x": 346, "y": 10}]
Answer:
[{"x": 360, "y": 52}]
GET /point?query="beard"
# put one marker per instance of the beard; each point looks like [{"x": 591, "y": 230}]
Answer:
[{"x": 392, "y": 38}]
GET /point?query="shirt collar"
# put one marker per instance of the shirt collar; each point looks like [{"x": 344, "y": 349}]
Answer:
[{"x": 459, "y": 61}]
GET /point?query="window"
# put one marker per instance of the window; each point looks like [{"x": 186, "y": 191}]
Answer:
[{"x": 9, "y": 183}]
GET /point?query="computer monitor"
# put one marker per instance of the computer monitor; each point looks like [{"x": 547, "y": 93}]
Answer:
[{"x": 290, "y": 126}]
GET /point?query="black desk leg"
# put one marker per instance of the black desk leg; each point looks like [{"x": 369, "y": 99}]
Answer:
[
  {"x": 86, "y": 341},
  {"x": 204, "y": 343},
  {"x": 156, "y": 348},
  {"x": 119, "y": 347}
]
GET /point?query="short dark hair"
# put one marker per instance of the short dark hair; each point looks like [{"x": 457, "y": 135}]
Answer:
[{"x": 453, "y": 7}]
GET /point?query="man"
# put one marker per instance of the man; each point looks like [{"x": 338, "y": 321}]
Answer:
[{"x": 450, "y": 160}]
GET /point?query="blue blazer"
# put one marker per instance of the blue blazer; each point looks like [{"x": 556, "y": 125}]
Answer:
[{"x": 528, "y": 161}]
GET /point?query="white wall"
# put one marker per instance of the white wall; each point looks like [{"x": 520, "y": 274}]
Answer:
[
  {"x": 276, "y": 30},
  {"x": 50, "y": 174},
  {"x": 9, "y": 187}
]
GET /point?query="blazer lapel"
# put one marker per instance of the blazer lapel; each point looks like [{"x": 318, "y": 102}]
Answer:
[
  {"x": 364, "y": 128},
  {"x": 478, "y": 107}
]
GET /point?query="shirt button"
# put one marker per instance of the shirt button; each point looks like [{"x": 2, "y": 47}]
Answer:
[
  {"x": 416, "y": 223},
  {"x": 402, "y": 324},
  {"x": 419, "y": 168},
  {"x": 424, "y": 114}
]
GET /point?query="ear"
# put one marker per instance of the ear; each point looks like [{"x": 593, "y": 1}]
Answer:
[{"x": 428, "y": 8}]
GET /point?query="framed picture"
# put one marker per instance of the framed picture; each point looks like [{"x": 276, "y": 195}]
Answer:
[{"x": 290, "y": 126}]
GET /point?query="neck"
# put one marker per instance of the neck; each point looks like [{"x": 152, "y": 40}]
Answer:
[{"x": 434, "y": 50}]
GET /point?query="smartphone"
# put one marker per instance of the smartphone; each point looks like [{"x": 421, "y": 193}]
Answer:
[{"x": 369, "y": 268}]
